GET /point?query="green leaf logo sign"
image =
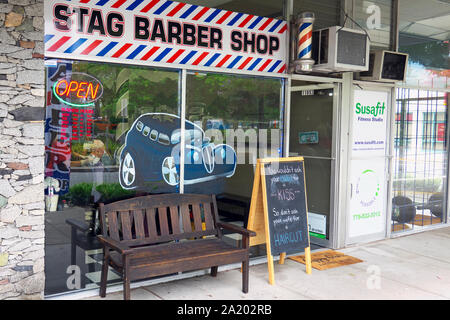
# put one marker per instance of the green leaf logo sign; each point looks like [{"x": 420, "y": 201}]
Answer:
[{"x": 368, "y": 188}]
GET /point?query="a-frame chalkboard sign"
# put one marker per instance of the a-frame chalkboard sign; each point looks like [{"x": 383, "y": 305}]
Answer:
[{"x": 278, "y": 210}]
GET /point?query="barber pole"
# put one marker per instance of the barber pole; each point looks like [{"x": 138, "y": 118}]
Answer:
[{"x": 305, "y": 23}]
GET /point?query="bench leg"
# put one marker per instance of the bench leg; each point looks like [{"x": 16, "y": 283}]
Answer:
[
  {"x": 126, "y": 278},
  {"x": 245, "y": 270},
  {"x": 126, "y": 289},
  {"x": 214, "y": 271},
  {"x": 104, "y": 276}
]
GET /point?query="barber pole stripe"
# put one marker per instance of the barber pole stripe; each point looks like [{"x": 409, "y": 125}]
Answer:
[
  {"x": 200, "y": 59},
  {"x": 91, "y": 47},
  {"x": 305, "y": 41},
  {"x": 175, "y": 56},
  {"x": 212, "y": 59},
  {"x": 101, "y": 2},
  {"x": 186, "y": 14},
  {"x": 245, "y": 63},
  {"x": 118, "y": 4},
  {"x": 122, "y": 50},
  {"x": 246, "y": 20},
  {"x": 58, "y": 43},
  {"x": 134, "y": 5},
  {"x": 149, "y": 6},
  {"x": 188, "y": 57},
  {"x": 138, "y": 50},
  {"x": 201, "y": 14},
  {"x": 149, "y": 53},
  {"x": 162, "y": 8},
  {"x": 265, "y": 24},
  {"x": 75, "y": 46},
  {"x": 213, "y": 15},
  {"x": 176, "y": 9},
  {"x": 235, "y": 19},
  {"x": 224, "y": 17},
  {"x": 106, "y": 49}
]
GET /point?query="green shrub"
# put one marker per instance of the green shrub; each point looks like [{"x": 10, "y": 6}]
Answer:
[
  {"x": 112, "y": 192},
  {"x": 80, "y": 194}
]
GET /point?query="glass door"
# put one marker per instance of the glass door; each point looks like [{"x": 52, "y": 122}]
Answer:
[{"x": 312, "y": 133}]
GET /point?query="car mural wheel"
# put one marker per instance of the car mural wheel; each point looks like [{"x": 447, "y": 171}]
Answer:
[
  {"x": 169, "y": 171},
  {"x": 128, "y": 171}
]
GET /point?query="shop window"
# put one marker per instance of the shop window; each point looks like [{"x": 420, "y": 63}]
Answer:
[
  {"x": 434, "y": 129},
  {"x": 237, "y": 119},
  {"x": 404, "y": 129},
  {"x": 424, "y": 36},
  {"x": 420, "y": 160},
  {"x": 99, "y": 149}
]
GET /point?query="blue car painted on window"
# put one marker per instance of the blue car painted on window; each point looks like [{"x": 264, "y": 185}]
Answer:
[{"x": 150, "y": 159}]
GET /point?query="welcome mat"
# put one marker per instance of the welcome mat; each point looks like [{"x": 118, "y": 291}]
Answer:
[
  {"x": 328, "y": 259},
  {"x": 400, "y": 227},
  {"x": 422, "y": 220}
]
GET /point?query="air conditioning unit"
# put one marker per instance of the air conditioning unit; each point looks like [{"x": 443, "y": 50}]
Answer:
[
  {"x": 386, "y": 66},
  {"x": 339, "y": 49}
]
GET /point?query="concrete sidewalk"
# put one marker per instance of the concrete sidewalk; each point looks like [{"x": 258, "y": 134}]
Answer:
[{"x": 410, "y": 267}]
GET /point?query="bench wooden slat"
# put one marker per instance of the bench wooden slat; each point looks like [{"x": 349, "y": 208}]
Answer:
[
  {"x": 139, "y": 224},
  {"x": 151, "y": 225},
  {"x": 209, "y": 222},
  {"x": 174, "y": 219},
  {"x": 163, "y": 224},
  {"x": 197, "y": 217},
  {"x": 126, "y": 225},
  {"x": 184, "y": 210},
  {"x": 113, "y": 226}
]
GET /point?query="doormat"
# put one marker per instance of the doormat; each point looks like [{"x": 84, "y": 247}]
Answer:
[
  {"x": 328, "y": 259},
  {"x": 400, "y": 227},
  {"x": 422, "y": 220}
]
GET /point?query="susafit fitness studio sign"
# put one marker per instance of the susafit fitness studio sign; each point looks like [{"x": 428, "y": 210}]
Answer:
[{"x": 162, "y": 33}]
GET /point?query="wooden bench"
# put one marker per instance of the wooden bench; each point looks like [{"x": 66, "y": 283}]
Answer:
[{"x": 155, "y": 235}]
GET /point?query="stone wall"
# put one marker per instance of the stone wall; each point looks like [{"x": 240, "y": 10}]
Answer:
[{"x": 22, "y": 104}]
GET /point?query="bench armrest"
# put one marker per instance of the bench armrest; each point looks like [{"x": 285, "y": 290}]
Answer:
[
  {"x": 113, "y": 244},
  {"x": 77, "y": 224},
  {"x": 237, "y": 229}
]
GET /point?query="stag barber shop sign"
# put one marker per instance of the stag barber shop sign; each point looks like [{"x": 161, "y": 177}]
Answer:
[{"x": 162, "y": 33}]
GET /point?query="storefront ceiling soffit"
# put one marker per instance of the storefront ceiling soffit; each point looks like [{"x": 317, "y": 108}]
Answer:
[{"x": 430, "y": 18}]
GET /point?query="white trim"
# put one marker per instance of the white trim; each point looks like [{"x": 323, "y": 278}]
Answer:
[
  {"x": 404, "y": 86},
  {"x": 183, "y": 98}
]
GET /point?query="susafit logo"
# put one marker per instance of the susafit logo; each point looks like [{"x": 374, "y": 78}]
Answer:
[{"x": 375, "y": 111}]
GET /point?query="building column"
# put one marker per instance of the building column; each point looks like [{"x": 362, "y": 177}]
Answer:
[{"x": 22, "y": 103}]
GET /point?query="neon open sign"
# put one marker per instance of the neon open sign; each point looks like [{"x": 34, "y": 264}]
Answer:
[{"x": 80, "y": 90}]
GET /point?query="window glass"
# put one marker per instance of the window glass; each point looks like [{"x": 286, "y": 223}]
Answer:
[
  {"x": 424, "y": 34},
  {"x": 234, "y": 120},
  {"x": 146, "y": 131},
  {"x": 327, "y": 13},
  {"x": 375, "y": 16},
  {"x": 98, "y": 119},
  {"x": 420, "y": 159}
]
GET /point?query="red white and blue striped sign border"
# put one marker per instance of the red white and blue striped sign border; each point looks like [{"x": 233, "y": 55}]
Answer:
[{"x": 72, "y": 45}]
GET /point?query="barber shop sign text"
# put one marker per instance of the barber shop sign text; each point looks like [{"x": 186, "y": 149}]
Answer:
[{"x": 160, "y": 32}]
